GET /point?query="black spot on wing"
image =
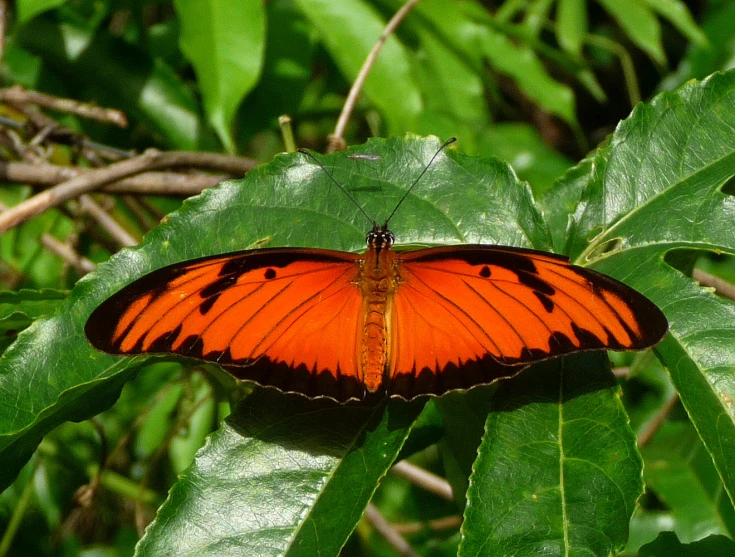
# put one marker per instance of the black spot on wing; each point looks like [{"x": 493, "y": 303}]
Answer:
[
  {"x": 270, "y": 274},
  {"x": 561, "y": 343},
  {"x": 545, "y": 301},
  {"x": 534, "y": 282},
  {"x": 164, "y": 343},
  {"x": 218, "y": 286},
  {"x": 485, "y": 272},
  {"x": 193, "y": 346},
  {"x": 207, "y": 304}
]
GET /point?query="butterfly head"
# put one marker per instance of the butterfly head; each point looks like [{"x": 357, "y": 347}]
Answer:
[{"x": 380, "y": 237}]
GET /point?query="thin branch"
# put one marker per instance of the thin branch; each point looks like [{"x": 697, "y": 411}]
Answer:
[
  {"x": 111, "y": 226},
  {"x": 19, "y": 95},
  {"x": 434, "y": 525},
  {"x": 147, "y": 183},
  {"x": 424, "y": 479},
  {"x": 722, "y": 287},
  {"x": 384, "y": 528},
  {"x": 95, "y": 179},
  {"x": 336, "y": 141},
  {"x": 80, "y": 263},
  {"x": 657, "y": 421}
]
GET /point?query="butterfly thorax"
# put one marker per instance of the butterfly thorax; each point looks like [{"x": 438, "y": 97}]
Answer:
[{"x": 378, "y": 279}]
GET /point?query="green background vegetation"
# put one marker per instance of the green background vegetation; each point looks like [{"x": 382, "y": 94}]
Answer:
[{"x": 566, "y": 458}]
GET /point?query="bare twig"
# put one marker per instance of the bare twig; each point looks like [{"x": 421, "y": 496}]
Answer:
[
  {"x": 384, "y": 528},
  {"x": 723, "y": 288},
  {"x": 97, "y": 178},
  {"x": 424, "y": 479},
  {"x": 621, "y": 372},
  {"x": 147, "y": 183},
  {"x": 435, "y": 525},
  {"x": 336, "y": 141},
  {"x": 80, "y": 263},
  {"x": 287, "y": 133},
  {"x": 19, "y": 95},
  {"x": 140, "y": 212},
  {"x": 657, "y": 421},
  {"x": 111, "y": 226}
]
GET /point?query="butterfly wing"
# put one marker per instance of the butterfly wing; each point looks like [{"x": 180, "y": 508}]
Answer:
[
  {"x": 279, "y": 317},
  {"x": 470, "y": 314}
]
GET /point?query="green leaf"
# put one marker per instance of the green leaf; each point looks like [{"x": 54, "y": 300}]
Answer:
[
  {"x": 655, "y": 187},
  {"x": 20, "y": 308},
  {"x": 119, "y": 75},
  {"x": 285, "y": 473},
  {"x": 668, "y": 545},
  {"x": 558, "y": 470},
  {"x": 717, "y": 54},
  {"x": 571, "y": 25},
  {"x": 224, "y": 41},
  {"x": 349, "y": 29},
  {"x": 28, "y": 9},
  {"x": 522, "y": 147},
  {"x": 680, "y": 17},
  {"x": 287, "y": 70},
  {"x": 681, "y": 474},
  {"x": 641, "y": 25},
  {"x": 473, "y": 33}
]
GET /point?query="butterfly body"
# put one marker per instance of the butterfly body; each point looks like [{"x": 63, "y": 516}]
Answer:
[{"x": 342, "y": 325}]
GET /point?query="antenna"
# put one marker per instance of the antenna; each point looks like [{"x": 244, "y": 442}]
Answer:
[
  {"x": 340, "y": 186},
  {"x": 377, "y": 157},
  {"x": 416, "y": 181}
]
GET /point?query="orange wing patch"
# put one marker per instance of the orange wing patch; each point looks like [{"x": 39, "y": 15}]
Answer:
[
  {"x": 274, "y": 316},
  {"x": 502, "y": 307}
]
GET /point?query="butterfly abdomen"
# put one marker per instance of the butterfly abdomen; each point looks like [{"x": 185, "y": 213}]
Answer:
[{"x": 378, "y": 280}]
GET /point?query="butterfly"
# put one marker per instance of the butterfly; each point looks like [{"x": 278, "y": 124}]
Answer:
[{"x": 346, "y": 325}]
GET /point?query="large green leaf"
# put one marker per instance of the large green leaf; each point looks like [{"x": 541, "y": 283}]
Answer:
[
  {"x": 558, "y": 471},
  {"x": 654, "y": 187},
  {"x": 284, "y": 476},
  {"x": 119, "y": 75},
  {"x": 680, "y": 472},
  {"x": 224, "y": 41}
]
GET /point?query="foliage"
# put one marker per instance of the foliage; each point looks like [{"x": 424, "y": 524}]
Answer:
[{"x": 546, "y": 461}]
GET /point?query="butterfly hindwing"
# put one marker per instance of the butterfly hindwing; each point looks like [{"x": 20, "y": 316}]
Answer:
[
  {"x": 276, "y": 316},
  {"x": 470, "y": 314}
]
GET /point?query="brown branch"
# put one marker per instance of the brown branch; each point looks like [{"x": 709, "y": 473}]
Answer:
[
  {"x": 80, "y": 263},
  {"x": 722, "y": 287},
  {"x": 110, "y": 225},
  {"x": 384, "y": 528},
  {"x": 97, "y": 178},
  {"x": 657, "y": 421},
  {"x": 19, "y": 95},
  {"x": 336, "y": 141},
  {"x": 147, "y": 183},
  {"x": 424, "y": 479},
  {"x": 434, "y": 525}
]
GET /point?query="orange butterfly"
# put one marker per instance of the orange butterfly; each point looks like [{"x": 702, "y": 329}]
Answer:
[{"x": 342, "y": 325}]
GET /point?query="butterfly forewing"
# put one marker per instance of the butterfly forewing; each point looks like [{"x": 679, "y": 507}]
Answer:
[
  {"x": 503, "y": 308},
  {"x": 274, "y": 316}
]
